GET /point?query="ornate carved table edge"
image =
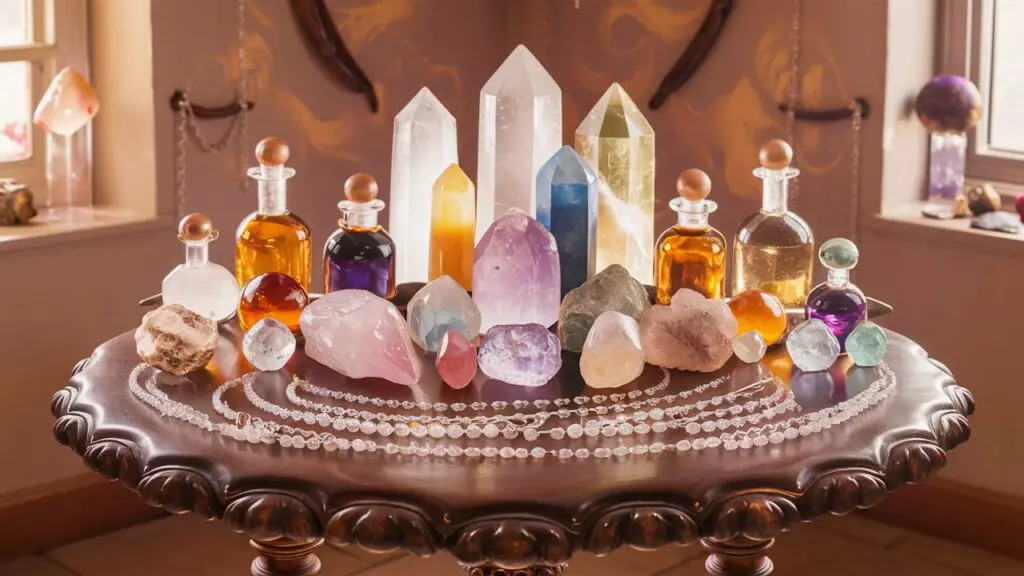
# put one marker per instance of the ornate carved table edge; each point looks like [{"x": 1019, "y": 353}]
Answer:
[{"x": 737, "y": 527}]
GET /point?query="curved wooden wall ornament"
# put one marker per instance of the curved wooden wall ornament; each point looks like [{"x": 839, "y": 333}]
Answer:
[
  {"x": 324, "y": 41},
  {"x": 696, "y": 52},
  {"x": 179, "y": 99},
  {"x": 830, "y": 114}
]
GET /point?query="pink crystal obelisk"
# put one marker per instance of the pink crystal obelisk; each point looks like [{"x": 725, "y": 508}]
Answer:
[{"x": 516, "y": 273}]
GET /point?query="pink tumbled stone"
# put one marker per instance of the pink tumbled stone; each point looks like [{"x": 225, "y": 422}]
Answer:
[{"x": 456, "y": 360}]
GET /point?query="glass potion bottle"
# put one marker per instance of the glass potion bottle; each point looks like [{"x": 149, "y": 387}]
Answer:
[
  {"x": 360, "y": 255},
  {"x": 201, "y": 286},
  {"x": 837, "y": 302},
  {"x": 774, "y": 248},
  {"x": 691, "y": 254},
  {"x": 272, "y": 239}
]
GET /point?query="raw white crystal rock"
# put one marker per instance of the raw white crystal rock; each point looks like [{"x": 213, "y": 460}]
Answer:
[
  {"x": 176, "y": 339},
  {"x": 612, "y": 354},
  {"x": 425, "y": 144},
  {"x": 524, "y": 355},
  {"x": 268, "y": 345},
  {"x": 520, "y": 128},
  {"x": 438, "y": 307},
  {"x": 361, "y": 335},
  {"x": 812, "y": 346},
  {"x": 693, "y": 333},
  {"x": 749, "y": 347}
]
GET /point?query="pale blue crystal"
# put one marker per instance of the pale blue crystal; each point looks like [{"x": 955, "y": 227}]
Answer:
[
  {"x": 438, "y": 307},
  {"x": 567, "y": 207},
  {"x": 867, "y": 344},
  {"x": 812, "y": 346}
]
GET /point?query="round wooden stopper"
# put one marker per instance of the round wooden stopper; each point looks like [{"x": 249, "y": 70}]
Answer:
[
  {"x": 776, "y": 154},
  {"x": 195, "y": 227},
  {"x": 693, "y": 184},
  {"x": 361, "y": 188},
  {"x": 272, "y": 151}
]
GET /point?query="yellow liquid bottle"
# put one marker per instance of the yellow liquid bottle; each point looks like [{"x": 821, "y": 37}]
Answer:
[
  {"x": 272, "y": 239},
  {"x": 774, "y": 248},
  {"x": 691, "y": 254}
]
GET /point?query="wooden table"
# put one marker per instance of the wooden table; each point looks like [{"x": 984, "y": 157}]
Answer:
[{"x": 511, "y": 517}]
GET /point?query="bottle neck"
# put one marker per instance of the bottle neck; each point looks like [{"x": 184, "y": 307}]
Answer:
[
  {"x": 775, "y": 195},
  {"x": 359, "y": 219},
  {"x": 838, "y": 278},
  {"x": 197, "y": 253},
  {"x": 693, "y": 215},
  {"x": 272, "y": 186},
  {"x": 693, "y": 221}
]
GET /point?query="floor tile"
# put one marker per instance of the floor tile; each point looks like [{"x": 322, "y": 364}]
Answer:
[
  {"x": 175, "y": 546},
  {"x": 861, "y": 528},
  {"x": 440, "y": 564},
  {"x": 34, "y": 566},
  {"x": 973, "y": 560}
]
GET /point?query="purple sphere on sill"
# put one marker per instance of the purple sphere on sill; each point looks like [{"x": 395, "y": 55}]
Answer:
[
  {"x": 841, "y": 309},
  {"x": 948, "y": 103}
]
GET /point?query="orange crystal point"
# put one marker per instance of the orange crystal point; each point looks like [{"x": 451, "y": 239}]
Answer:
[
  {"x": 272, "y": 295},
  {"x": 67, "y": 105},
  {"x": 759, "y": 311}
]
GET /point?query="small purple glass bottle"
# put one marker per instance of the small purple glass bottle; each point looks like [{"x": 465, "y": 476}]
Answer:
[
  {"x": 360, "y": 255},
  {"x": 837, "y": 302}
]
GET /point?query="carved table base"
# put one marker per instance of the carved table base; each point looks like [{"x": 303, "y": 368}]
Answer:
[
  {"x": 285, "y": 558},
  {"x": 740, "y": 557},
  {"x": 533, "y": 571}
]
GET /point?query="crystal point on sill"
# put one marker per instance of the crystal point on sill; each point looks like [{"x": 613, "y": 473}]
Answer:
[
  {"x": 68, "y": 104},
  {"x": 361, "y": 335},
  {"x": 176, "y": 339},
  {"x": 611, "y": 289},
  {"x": 523, "y": 355},
  {"x": 439, "y": 307},
  {"x": 516, "y": 273}
]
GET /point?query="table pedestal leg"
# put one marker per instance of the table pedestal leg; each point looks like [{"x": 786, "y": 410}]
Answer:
[
  {"x": 285, "y": 558},
  {"x": 531, "y": 571},
  {"x": 740, "y": 557}
]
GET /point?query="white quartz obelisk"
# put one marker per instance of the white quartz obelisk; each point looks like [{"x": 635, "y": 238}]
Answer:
[
  {"x": 425, "y": 144},
  {"x": 520, "y": 129}
]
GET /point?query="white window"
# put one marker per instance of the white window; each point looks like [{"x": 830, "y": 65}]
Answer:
[
  {"x": 37, "y": 37},
  {"x": 982, "y": 40}
]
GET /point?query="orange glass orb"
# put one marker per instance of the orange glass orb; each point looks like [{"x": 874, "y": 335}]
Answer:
[
  {"x": 761, "y": 312},
  {"x": 272, "y": 295}
]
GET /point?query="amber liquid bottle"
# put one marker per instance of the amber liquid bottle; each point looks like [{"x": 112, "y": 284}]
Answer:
[
  {"x": 272, "y": 239},
  {"x": 774, "y": 248},
  {"x": 691, "y": 254}
]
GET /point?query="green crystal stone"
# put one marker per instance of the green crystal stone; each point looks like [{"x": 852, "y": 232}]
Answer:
[
  {"x": 866, "y": 345},
  {"x": 839, "y": 254}
]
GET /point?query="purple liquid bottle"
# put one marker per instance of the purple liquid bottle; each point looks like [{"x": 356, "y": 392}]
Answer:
[
  {"x": 837, "y": 302},
  {"x": 361, "y": 254}
]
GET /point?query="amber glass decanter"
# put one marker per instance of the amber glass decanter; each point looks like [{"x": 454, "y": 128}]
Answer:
[
  {"x": 361, "y": 254},
  {"x": 774, "y": 248},
  {"x": 691, "y": 254},
  {"x": 272, "y": 239}
]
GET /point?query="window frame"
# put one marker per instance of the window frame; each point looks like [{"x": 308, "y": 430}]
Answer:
[{"x": 59, "y": 38}]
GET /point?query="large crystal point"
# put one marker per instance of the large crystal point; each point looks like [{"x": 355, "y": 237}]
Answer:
[
  {"x": 567, "y": 206},
  {"x": 438, "y": 307},
  {"x": 613, "y": 289},
  {"x": 520, "y": 128},
  {"x": 360, "y": 335},
  {"x": 617, "y": 141},
  {"x": 612, "y": 355},
  {"x": 452, "y": 232},
  {"x": 516, "y": 273},
  {"x": 424, "y": 145},
  {"x": 526, "y": 355}
]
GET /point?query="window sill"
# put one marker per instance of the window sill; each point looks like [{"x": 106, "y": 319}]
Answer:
[
  {"x": 95, "y": 223},
  {"x": 908, "y": 224}
]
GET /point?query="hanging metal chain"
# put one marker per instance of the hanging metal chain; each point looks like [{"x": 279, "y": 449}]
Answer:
[
  {"x": 855, "y": 124},
  {"x": 794, "y": 86},
  {"x": 187, "y": 125}
]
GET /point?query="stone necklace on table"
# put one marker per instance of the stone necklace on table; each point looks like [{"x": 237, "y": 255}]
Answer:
[{"x": 245, "y": 428}]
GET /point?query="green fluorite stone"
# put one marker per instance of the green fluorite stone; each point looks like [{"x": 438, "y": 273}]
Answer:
[{"x": 866, "y": 345}]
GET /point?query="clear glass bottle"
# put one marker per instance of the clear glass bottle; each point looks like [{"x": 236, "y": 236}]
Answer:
[
  {"x": 272, "y": 239},
  {"x": 361, "y": 254},
  {"x": 201, "y": 286},
  {"x": 774, "y": 248},
  {"x": 691, "y": 254},
  {"x": 837, "y": 302}
]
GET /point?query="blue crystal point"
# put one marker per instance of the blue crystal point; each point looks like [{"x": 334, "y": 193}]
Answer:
[{"x": 567, "y": 207}]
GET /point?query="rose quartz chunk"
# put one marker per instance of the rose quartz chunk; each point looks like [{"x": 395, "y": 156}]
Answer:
[
  {"x": 360, "y": 335},
  {"x": 67, "y": 105},
  {"x": 456, "y": 360}
]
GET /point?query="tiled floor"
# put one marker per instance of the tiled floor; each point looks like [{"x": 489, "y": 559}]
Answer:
[{"x": 847, "y": 546}]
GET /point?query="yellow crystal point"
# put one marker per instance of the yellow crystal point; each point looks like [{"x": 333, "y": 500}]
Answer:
[
  {"x": 452, "y": 227},
  {"x": 618, "y": 143}
]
